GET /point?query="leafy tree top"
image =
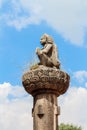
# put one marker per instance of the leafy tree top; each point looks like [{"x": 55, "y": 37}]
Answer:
[{"x": 68, "y": 127}]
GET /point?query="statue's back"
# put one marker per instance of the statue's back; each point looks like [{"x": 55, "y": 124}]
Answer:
[{"x": 54, "y": 56}]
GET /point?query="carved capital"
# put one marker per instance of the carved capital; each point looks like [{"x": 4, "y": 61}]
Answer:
[{"x": 46, "y": 80}]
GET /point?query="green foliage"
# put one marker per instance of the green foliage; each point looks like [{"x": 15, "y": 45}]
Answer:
[{"x": 68, "y": 127}]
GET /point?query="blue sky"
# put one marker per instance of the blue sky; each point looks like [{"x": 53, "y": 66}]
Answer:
[
  {"x": 22, "y": 23},
  {"x": 18, "y": 50}
]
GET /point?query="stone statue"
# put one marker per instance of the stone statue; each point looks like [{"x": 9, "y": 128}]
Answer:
[{"x": 48, "y": 55}]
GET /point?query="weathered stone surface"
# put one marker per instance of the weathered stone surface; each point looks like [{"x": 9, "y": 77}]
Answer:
[
  {"x": 45, "y": 80},
  {"x": 48, "y": 55},
  {"x": 45, "y": 112}
]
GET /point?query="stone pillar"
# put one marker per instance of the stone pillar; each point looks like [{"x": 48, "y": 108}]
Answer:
[
  {"x": 45, "y": 112},
  {"x": 45, "y": 84}
]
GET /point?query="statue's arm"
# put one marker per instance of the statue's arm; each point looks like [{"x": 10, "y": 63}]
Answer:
[{"x": 46, "y": 50}]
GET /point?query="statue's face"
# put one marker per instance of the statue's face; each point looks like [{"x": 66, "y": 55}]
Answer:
[{"x": 43, "y": 40}]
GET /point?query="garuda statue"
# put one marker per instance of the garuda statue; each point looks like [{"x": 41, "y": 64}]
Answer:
[{"x": 48, "y": 55}]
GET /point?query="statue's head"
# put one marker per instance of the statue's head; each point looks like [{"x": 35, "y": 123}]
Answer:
[{"x": 46, "y": 39}]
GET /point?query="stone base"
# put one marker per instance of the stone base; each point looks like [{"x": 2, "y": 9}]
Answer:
[{"x": 45, "y": 80}]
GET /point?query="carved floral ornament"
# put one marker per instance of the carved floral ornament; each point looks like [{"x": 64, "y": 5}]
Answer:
[{"x": 47, "y": 78}]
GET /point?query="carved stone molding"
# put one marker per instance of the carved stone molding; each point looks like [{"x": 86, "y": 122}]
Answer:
[{"x": 45, "y": 80}]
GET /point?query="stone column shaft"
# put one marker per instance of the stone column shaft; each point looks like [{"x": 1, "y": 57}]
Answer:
[{"x": 45, "y": 112}]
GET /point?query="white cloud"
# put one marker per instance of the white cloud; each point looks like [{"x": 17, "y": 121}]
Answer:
[
  {"x": 4, "y": 91},
  {"x": 15, "y": 114},
  {"x": 0, "y": 3},
  {"x": 74, "y": 107},
  {"x": 22, "y": 22},
  {"x": 21, "y": 14},
  {"x": 69, "y": 18},
  {"x": 16, "y": 107},
  {"x": 80, "y": 76}
]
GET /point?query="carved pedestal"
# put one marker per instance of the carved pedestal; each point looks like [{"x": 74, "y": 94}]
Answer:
[{"x": 45, "y": 85}]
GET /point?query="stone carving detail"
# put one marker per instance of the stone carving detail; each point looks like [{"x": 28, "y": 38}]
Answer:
[
  {"x": 40, "y": 111},
  {"x": 45, "y": 79},
  {"x": 48, "y": 55}
]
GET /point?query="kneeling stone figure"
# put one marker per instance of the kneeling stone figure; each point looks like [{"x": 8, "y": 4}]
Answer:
[{"x": 48, "y": 55}]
